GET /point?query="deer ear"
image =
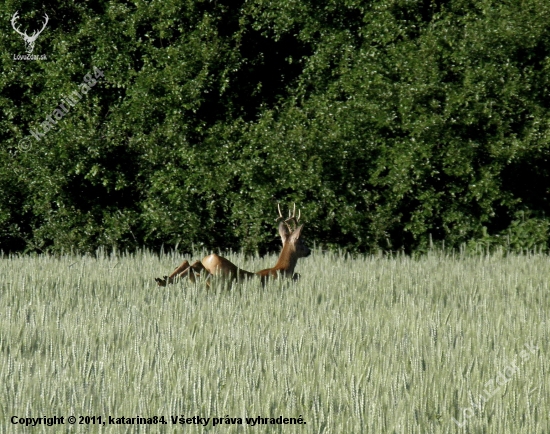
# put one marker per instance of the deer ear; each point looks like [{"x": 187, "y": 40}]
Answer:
[
  {"x": 283, "y": 231},
  {"x": 297, "y": 232}
]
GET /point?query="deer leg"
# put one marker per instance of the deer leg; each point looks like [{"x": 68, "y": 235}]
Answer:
[
  {"x": 191, "y": 270},
  {"x": 170, "y": 279},
  {"x": 198, "y": 267}
]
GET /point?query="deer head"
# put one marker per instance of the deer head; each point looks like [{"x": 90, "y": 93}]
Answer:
[
  {"x": 294, "y": 246},
  {"x": 29, "y": 40}
]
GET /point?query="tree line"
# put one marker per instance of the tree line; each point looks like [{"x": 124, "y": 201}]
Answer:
[{"x": 392, "y": 124}]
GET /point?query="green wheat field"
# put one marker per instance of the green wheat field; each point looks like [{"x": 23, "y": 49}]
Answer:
[{"x": 443, "y": 343}]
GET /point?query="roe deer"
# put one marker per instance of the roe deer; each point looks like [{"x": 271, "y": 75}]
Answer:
[{"x": 294, "y": 248}]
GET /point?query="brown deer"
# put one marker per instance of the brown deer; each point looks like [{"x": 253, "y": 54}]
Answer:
[{"x": 294, "y": 248}]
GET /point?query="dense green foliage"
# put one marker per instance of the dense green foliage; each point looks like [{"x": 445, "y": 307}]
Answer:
[
  {"x": 345, "y": 347},
  {"x": 389, "y": 123}
]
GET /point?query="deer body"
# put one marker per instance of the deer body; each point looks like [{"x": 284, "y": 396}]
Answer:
[{"x": 215, "y": 265}]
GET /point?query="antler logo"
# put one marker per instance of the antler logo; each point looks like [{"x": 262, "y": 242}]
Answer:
[{"x": 29, "y": 40}]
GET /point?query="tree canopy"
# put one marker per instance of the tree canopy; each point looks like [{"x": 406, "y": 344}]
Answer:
[{"x": 390, "y": 123}]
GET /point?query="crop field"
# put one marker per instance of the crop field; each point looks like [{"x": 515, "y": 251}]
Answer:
[{"x": 443, "y": 343}]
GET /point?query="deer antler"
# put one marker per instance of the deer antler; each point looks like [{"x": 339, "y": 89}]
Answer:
[
  {"x": 43, "y": 27},
  {"x": 13, "y": 20},
  {"x": 291, "y": 218}
]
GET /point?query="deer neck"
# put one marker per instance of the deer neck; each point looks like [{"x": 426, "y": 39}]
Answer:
[{"x": 287, "y": 260}]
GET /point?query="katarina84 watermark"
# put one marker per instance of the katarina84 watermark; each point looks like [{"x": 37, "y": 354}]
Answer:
[{"x": 67, "y": 103}]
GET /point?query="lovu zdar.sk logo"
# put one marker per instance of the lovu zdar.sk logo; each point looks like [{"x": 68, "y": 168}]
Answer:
[{"x": 29, "y": 39}]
